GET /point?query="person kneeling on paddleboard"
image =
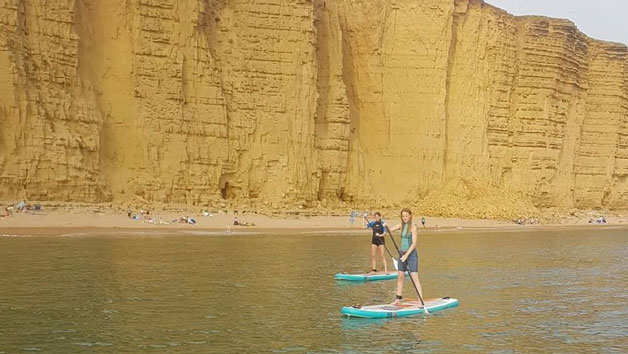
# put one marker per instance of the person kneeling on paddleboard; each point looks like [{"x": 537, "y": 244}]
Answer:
[
  {"x": 408, "y": 256},
  {"x": 377, "y": 241}
]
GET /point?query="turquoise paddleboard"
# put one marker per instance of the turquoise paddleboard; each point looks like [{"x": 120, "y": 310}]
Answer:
[
  {"x": 406, "y": 308},
  {"x": 366, "y": 276}
]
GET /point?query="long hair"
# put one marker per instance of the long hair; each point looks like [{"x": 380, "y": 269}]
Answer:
[{"x": 409, "y": 221}]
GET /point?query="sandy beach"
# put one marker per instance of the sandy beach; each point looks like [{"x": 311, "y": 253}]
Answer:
[{"x": 73, "y": 219}]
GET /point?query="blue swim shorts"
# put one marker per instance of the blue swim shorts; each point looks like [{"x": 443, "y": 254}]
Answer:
[{"x": 412, "y": 261}]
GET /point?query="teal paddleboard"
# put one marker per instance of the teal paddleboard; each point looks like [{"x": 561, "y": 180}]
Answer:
[
  {"x": 366, "y": 276},
  {"x": 406, "y": 308}
]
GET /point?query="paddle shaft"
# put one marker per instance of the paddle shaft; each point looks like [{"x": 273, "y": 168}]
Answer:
[{"x": 405, "y": 263}]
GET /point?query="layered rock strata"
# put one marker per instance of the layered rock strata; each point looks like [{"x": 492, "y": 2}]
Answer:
[{"x": 315, "y": 103}]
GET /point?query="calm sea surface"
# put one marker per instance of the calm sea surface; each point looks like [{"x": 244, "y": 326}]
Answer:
[{"x": 519, "y": 292}]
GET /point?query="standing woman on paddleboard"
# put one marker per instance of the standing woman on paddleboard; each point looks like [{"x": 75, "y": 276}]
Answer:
[
  {"x": 408, "y": 256},
  {"x": 377, "y": 241}
]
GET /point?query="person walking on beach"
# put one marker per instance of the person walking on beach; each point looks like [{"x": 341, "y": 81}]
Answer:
[
  {"x": 377, "y": 241},
  {"x": 408, "y": 255}
]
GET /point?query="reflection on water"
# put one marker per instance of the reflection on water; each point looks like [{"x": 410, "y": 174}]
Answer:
[{"x": 562, "y": 291}]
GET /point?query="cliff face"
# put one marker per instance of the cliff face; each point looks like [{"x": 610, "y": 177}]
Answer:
[{"x": 311, "y": 102}]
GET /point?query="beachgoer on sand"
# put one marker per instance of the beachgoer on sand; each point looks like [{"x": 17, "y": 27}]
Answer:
[
  {"x": 20, "y": 206},
  {"x": 408, "y": 255},
  {"x": 352, "y": 216},
  {"x": 377, "y": 241}
]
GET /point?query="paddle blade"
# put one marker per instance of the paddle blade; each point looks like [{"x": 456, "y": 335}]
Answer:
[{"x": 395, "y": 264}]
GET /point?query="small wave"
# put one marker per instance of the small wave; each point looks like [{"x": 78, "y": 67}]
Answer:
[
  {"x": 65, "y": 331},
  {"x": 217, "y": 233},
  {"x": 94, "y": 344},
  {"x": 333, "y": 232}
]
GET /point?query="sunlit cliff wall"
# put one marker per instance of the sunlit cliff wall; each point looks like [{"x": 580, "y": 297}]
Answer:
[{"x": 438, "y": 103}]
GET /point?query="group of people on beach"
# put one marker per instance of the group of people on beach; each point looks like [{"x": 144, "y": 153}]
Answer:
[
  {"x": 408, "y": 255},
  {"x": 21, "y": 207},
  {"x": 238, "y": 222},
  {"x": 145, "y": 216}
]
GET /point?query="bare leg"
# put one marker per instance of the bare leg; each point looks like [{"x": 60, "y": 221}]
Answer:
[
  {"x": 400, "y": 276},
  {"x": 415, "y": 277},
  {"x": 381, "y": 253},
  {"x": 373, "y": 264}
]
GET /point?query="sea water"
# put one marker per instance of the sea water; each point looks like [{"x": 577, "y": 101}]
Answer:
[{"x": 528, "y": 290}]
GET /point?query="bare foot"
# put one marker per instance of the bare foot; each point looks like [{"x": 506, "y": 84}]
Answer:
[{"x": 397, "y": 302}]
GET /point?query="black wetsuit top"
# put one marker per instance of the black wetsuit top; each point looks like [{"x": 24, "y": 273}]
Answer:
[{"x": 378, "y": 228}]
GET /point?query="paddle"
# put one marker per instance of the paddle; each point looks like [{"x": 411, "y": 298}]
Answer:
[
  {"x": 390, "y": 254},
  {"x": 405, "y": 263}
]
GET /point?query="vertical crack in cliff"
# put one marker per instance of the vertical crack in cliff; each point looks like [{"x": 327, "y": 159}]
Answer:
[
  {"x": 90, "y": 88},
  {"x": 349, "y": 75},
  {"x": 455, "y": 19},
  {"x": 332, "y": 122},
  {"x": 506, "y": 172},
  {"x": 321, "y": 25},
  {"x": 383, "y": 57},
  {"x": 573, "y": 74},
  {"x": 211, "y": 22},
  {"x": 20, "y": 54},
  {"x": 9, "y": 93}
]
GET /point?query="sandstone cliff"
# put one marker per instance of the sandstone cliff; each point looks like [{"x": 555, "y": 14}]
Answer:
[{"x": 441, "y": 104}]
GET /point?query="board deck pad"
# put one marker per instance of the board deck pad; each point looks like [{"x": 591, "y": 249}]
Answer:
[
  {"x": 366, "y": 276},
  {"x": 406, "y": 308}
]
